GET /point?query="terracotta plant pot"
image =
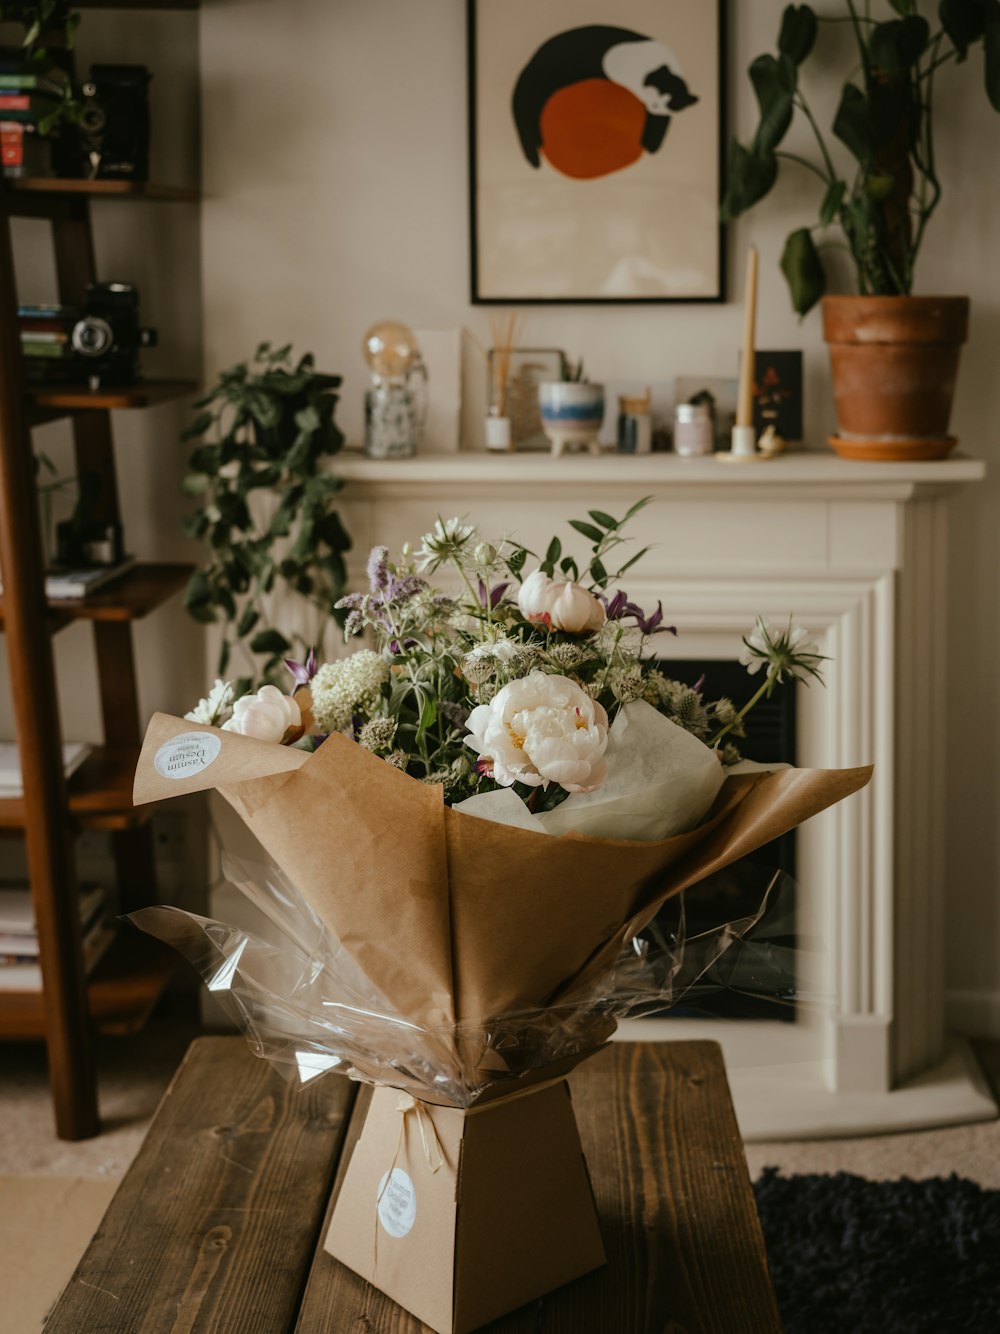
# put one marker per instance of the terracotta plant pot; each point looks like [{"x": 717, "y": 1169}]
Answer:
[{"x": 894, "y": 361}]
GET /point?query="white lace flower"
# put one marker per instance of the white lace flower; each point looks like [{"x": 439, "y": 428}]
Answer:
[
  {"x": 447, "y": 539},
  {"x": 216, "y": 708},
  {"x": 539, "y": 730},
  {"x": 352, "y": 685},
  {"x": 269, "y": 716},
  {"x": 784, "y": 652}
]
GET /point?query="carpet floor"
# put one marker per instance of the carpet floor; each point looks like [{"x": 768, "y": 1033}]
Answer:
[{"x": 882, "y": 1257}]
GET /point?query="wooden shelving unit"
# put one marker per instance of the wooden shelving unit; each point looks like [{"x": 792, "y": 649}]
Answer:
[
  {"x": 121, "y": 992},
  {"x": 119, "y": 995},
  {"x": 54, "y": 185}
]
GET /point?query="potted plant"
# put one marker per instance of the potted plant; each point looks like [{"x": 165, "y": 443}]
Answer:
[
  {"x": 894, "y": 356},
  {"x": 572, "y": 409},
  {"x": 260, "y": 475}
]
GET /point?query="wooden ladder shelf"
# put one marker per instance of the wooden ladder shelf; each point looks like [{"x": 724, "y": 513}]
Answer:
[{"x": 127, "y": 982}]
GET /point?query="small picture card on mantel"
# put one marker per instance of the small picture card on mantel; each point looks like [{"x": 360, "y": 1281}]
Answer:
[{"x": 777, "y": 393}]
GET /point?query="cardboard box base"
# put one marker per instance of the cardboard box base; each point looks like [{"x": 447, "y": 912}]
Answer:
[{"x": 507, "y": 1215}]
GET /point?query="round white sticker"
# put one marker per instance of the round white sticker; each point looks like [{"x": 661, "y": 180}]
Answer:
[
  {"x": 397, "y": 1203},
  {"x": 186, "y": 755}
]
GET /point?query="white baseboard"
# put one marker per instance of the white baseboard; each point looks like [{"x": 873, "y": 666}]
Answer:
[{"x": 974, "y": 1014}]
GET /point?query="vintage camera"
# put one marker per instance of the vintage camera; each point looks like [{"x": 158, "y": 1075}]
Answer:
[
  {"x": 114, "y": 124},
  {"x": 105, "y": 341}
]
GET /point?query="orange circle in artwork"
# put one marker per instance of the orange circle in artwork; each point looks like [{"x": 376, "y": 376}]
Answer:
[{"x": 592, "y": 128}]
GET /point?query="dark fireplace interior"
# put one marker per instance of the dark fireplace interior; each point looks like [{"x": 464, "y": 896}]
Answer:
[{"x": 756, "y": 983}]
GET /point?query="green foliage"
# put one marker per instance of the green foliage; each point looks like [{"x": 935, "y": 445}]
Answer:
[
  {"x": 268, "y": 426},
  {"x": 41, "y": 18},
  {"x": 884, "y": 198}
]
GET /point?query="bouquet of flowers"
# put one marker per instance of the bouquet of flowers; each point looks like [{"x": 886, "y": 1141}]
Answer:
[
  {"x": 465, "y": 826},
  {"x": 521, "y": 686}
]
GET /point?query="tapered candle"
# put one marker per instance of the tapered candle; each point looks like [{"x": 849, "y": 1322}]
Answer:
[{"x": 744, "y": 402}]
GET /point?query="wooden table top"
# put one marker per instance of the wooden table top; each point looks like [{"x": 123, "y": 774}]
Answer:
[{"x": 219, "y": 1223}]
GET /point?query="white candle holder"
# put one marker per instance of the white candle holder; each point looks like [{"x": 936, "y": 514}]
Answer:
[{"x": 744, "y": 447}]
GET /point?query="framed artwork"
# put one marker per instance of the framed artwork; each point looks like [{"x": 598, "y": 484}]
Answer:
[
  {"x": 596, "y": 140},
  {"x": 529, "y": 367}
]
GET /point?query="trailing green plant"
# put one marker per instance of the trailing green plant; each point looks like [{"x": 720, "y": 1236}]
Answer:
[
  {"x": 885, "y": 119},
  {"x": 265, "y": 426},
  {"x": 40, "y": 19}
]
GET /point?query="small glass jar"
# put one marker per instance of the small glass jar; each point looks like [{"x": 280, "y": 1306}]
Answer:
[{"x": 693, "y": 432}]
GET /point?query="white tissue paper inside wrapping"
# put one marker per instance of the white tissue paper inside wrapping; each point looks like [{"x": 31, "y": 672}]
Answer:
[{"x": 661, "y": 782}]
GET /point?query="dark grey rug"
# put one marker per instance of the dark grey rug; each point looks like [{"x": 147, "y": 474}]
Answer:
[{"x": 851, "y": 1256}]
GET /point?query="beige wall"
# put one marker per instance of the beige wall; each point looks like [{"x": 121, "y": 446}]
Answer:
[
  {"x": 335, "y": 167},
  {"x": 157, "y": 246}
]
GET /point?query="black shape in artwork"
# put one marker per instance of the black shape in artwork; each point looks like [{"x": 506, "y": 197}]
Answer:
[{"x": 588, "y": 53}]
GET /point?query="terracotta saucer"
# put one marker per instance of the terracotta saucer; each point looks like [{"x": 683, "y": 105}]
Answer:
[{"x": 888, "y": 451}]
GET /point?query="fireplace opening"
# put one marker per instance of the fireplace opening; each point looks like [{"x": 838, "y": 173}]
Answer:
[{"x": 761, "y": 989}]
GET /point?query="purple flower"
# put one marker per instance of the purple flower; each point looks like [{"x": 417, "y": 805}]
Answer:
[
  {"x": 401, "y": 590},
  {"x": 378, "y": 568},
  {"x": 650, "y": 625},
  {"x": 303, "y": 672},
  {"x": 619, "y": 607},
  {"x": 495, "y": 594}
]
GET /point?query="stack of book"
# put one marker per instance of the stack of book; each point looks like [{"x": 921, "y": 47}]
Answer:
[
  {"x": 19, "y": 966},
  {"x": 64, "y": 583},
  {"x": 27, "y": 103},
  {"x": 46, "y": 342}
]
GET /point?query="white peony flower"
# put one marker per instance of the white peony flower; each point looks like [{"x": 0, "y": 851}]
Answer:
[
  {"x": 269, "y": 716},
  {"x": 539, "y": 730},
  {"x": 575, "y": 609},
  {"x": 560, "y": 604},
  {"x": 533, "y": 596},
  {"x": 215, "y": 709}
]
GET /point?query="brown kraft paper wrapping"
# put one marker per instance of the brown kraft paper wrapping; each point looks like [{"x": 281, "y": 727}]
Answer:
[{"x": 459, "y": 920}]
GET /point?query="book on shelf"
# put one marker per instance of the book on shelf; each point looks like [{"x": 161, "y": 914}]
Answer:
[
  {"x": 23, "y": 151},
  {"x": 63, "y": 584},
  {"x": 27, "y": 976},
  {"x": 18, "y": 931},
  {"x": 53, "y": 81},
  {"x": 11, "y": 781}
]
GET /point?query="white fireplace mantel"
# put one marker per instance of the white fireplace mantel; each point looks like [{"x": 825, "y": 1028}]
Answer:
[{"x": 857, "y": 553}]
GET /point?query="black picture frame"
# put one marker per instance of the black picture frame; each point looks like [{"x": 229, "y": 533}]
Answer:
[{"x": 478, "y": 297}]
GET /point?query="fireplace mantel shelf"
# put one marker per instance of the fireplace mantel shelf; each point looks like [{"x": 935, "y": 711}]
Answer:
[
  {"x": 816, "y": 476},
  {"x": 858, "y": 553}
]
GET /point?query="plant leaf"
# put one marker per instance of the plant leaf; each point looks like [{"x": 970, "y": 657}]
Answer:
[
  {"x": 749, "y": 177},
  {"x": 605, "y": 520},
  {"x": 852, "y": 123},
  {"x": 832, "y": 201},
  {"x": 632, "y": 560},
  {"x": 773, "y": 90},
  {"x": 587, "y": 529},
  {"x": 964, "y": 21},
  {"x": 894, "y": 46},
  {"x": 798, "y": 33},
  {"x": 803, "y": 270},
  {"x": 269, "y": 641}
]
